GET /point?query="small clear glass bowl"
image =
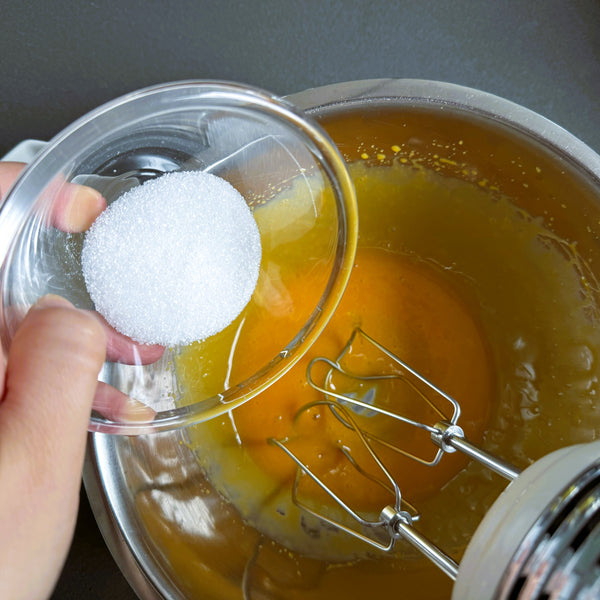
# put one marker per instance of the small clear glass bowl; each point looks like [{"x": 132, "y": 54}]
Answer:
[{"x": 259, "y": 143}]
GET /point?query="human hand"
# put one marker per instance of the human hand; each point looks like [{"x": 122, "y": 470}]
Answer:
[{"x": 48, "y": 383}]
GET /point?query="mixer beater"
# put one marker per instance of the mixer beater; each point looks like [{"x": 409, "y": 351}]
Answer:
[{"x": 541, "y": 539}]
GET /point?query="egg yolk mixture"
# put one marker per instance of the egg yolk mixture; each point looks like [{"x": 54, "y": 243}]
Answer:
[
  {"x": 402, "y": 304},
  {"x": 457, "y": 282}
]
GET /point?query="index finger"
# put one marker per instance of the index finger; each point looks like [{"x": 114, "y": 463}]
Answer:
[{"x": 74, "y": 208}]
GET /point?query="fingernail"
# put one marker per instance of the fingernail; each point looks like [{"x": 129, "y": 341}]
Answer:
[
  {"x": 136, "y": 412},
  {"x": 52, "y": 301},
  {"x": 84, "y": 207}
]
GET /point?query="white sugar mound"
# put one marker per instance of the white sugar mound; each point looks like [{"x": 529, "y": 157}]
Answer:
[{"x": 174, "y": 260}]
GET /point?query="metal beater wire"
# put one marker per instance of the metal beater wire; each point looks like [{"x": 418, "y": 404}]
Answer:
[
  {"x": 409, "y": 515},
  {"x": 336, "y": 366},
  {"x": 446, "y": 435},
  {"x": 394, "y": 523}
]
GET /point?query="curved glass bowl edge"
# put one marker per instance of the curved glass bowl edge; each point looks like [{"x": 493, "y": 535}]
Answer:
[{"x": 15, "y": 214}]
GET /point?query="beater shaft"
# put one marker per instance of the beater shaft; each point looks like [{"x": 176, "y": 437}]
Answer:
[
  {"x": 406, "y": 531},
  {"x": 452, "y": 436}
]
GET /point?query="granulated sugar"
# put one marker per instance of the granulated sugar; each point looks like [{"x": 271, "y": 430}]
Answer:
[{"x": 174, "y": 260}]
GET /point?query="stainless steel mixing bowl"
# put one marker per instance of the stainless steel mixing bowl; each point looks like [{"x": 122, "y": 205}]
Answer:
[{"x": 151, "y": 498}]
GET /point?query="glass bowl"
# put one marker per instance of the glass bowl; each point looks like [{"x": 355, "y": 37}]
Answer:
[
  {"x": 261, "y": 145},
  {"x": 162, "y": 504}
]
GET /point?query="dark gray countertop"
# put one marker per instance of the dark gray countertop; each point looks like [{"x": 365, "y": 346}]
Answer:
[{"x": 61, "y": 59}]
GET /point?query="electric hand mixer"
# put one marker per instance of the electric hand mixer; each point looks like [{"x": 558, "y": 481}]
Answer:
[{"x": 540, "y": 539}]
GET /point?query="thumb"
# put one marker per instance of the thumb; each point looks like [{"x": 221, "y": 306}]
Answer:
[{"x": 51, "y": 377}]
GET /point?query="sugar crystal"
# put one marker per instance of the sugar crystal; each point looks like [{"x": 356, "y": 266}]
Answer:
[{"x": 173, "y": 260}]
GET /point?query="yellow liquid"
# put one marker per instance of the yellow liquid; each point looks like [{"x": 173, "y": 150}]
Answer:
[
  {"x": 403, "y": 305},
  {"x": 474, "y": 293}
]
